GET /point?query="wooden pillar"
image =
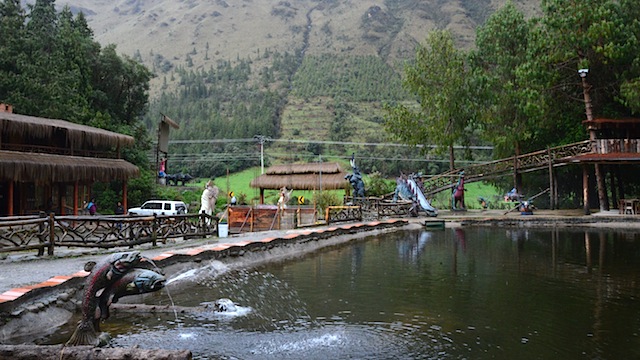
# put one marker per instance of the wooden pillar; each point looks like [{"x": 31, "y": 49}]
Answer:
[
  {"x": 261, "y": 195},
  {"x": 555, "y": 190},
  {"x": 10, "y": 199},
  {"x": 124, "y": 195},
  {"x": 620, "y": 182},
  {"x": 585, "y": 189},
  {"x": 62, "y": 192},
  {"x": 602, "y": 195},
  {"x": 75, "y": 198},
  {"x": 614, "y": 195},
  {"x": 551, "y": 187}
]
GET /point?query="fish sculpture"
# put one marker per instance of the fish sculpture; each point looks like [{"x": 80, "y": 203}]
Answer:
[
  {"x": 135, "y": 282},
  {"x": 102, "y": 276}
]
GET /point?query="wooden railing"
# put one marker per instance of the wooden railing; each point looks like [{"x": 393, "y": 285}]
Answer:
[
  {"x": 50, "y": 231},
  {"x": 608, "y": 146},
  {"x": 526, "y": 162},
  {"x": 342, "y": 213}
]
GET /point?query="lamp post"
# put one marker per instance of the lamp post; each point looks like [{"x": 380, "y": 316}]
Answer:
[
  {"x": 587, "y": 101},
  {"x": 592, "y": 136}
]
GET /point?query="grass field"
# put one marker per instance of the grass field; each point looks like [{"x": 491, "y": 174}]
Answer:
[{"x": 239, "y": 184}]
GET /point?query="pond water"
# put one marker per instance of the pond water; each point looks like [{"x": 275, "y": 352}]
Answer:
[{"x": 465, "y": 293}]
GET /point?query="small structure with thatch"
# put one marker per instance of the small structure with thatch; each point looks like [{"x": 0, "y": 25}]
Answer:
[
  {"x": 47, "y": 164},
  {"x": 311, "y": 176}
]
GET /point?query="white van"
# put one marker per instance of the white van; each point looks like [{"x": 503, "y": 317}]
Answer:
[{"x": 159, "y": 207}]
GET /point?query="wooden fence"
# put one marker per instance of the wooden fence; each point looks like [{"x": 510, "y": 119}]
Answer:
[
  {"x": 244, "y": 218},
  {"x": 51, "y": 231}
]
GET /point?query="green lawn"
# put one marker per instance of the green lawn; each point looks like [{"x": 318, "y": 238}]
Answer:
[{"x": 239, "y": 184}]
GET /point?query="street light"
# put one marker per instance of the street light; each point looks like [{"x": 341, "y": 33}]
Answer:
[
  {"x": 587, "y": 99},
  {"x": 592, "y": 136}
]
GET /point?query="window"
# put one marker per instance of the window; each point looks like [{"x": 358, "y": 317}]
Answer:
[{"x": 152, "y": 206}]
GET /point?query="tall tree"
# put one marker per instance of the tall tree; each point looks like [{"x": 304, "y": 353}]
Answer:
[
  {"x": 629, "y": 13},
  {"x": 39, "y": 83},
  {"x": 12, "y": 20},
  {"x": 511, "y": 114},
  {"x": 439, "y": 79},
  {"x": 585, "y": 34}
]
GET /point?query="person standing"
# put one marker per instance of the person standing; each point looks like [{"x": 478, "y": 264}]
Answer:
[
  {"x": 119, "y": 210},
  {"x": 92, "y": 207}
]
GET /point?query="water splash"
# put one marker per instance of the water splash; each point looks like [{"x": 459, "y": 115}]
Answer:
[{"x": 173, "y": 305}]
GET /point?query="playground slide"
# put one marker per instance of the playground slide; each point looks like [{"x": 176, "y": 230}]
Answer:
[{"x": 422, "y": 200}]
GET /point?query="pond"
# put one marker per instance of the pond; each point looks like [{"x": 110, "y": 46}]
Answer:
[{"x": 461, "y": 293}]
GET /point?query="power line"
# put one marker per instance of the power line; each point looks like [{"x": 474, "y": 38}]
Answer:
[
  {"x": 325, "y": 142},
  {"x": 222, "y": 157}
]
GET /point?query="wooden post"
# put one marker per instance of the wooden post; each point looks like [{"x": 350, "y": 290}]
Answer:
[
  {"x": 75, "y": 198},
  {"x": 614, "y": 195},
  {"x": 62, "y": 192},
  {"x": 551, "y": 187},
  {"x": 602, "y": 196},
  {"x": 253, "y": 218},
  {"x": 52, "y": 234},
  {"x": 585, "y": 190},
  {"x": 125, "y": 203},
  {"x": 154, "y": 236},
  {"x": 10, "y": 199}
]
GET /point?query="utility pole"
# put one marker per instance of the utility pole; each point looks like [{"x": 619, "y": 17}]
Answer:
[{"x": 261, "y": 139}]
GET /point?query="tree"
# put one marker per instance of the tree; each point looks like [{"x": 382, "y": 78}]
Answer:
[
  {"x": 510, "y": 110},
  {"x": 12, "y": 20},
  {"x": 438, "y": 78}
]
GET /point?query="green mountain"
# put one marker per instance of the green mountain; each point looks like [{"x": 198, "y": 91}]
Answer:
[{"x": 294, "y": 71}]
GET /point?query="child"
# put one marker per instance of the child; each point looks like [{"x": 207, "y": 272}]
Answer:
[{"x": 91, "y": 206}]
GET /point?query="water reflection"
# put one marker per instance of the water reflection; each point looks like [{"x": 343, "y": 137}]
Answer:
[{"x": 465, "y": 293}]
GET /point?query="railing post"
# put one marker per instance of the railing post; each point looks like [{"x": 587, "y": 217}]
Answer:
[
  {"x": 52, "y": 234},
  {"x": 201, "y": 227},
  {"x": 41, "y": 235},
  {"x": 154, "y": 234}
]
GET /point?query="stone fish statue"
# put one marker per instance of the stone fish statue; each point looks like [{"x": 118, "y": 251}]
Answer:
[{"x": 113, "y": 277}]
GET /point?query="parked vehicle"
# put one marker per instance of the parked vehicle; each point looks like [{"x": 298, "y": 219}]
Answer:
[{"x": 159, "y": 207}]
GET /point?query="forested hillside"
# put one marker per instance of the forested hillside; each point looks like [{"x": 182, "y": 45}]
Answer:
[
  {"x": 299, "y": 70},
  {"x": 322, "y": 80}
]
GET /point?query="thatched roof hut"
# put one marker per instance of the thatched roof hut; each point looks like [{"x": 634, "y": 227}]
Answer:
[
  {"x": 76, "y": 135},
  {"x": 311, "y": 176},
  {"x": 48, "y": 168},
  {"x": 53, "y": 155}
]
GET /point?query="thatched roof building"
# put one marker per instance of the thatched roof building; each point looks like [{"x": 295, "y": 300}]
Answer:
[
  {"x": 76, "y": 136},
  {"x": 46, "y": 168},
  {"x": 311, "y": 176},
  {"x": 50, "y": 163}
]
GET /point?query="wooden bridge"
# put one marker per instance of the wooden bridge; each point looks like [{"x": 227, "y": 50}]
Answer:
[{"x": 545, "y": 159}]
